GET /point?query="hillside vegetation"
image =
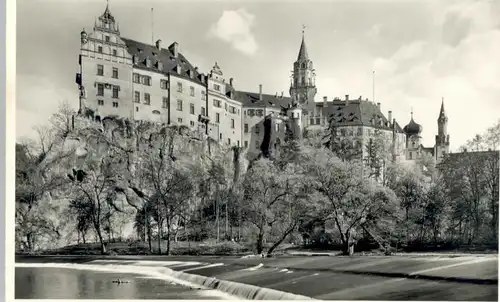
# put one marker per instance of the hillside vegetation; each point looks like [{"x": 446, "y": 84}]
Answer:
[{"x": 163, "y": 189}]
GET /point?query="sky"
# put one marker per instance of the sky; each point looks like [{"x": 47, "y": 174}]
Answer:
[{"x": 421, "y": 52}]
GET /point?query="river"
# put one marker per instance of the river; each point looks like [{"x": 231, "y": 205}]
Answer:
[{"x": 68, "y": 283}]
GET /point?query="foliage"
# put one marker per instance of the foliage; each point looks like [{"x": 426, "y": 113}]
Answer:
[{"x": 88, "y": 181}]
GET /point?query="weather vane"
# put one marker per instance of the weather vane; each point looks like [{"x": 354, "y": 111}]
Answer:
[{"x": 303, "y": 29}]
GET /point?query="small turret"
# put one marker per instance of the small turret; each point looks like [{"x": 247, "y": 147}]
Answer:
[{"x": 83, "y": 37}]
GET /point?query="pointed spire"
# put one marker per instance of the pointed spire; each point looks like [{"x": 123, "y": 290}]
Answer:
[
  {"x": 411, "y": 113},
  {"x": 303, "y": 56},
  {"x": 442, "y": 113}
]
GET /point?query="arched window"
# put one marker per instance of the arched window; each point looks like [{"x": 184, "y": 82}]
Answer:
[{"x": 303, "y": 65}]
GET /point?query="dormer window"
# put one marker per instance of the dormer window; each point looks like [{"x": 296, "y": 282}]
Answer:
[
  {"x": 178, "y": 69},
  {"x": 135, "y": 58},
  {"x": 159, "y": 64},
  {"x": 148, "y": 62}
]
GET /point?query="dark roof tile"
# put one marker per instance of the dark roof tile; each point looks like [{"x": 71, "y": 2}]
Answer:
[{"x": 143, "y": 51}]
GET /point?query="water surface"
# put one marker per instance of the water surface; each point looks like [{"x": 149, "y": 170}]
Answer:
[{"x": 66, "y": 283}]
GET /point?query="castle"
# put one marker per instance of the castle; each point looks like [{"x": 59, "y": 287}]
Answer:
[{"x": 130, "y": 79}]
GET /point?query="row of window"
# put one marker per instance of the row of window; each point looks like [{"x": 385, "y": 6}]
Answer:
[
  {"x": 99, "y": 50},
  {"x": 100, "y": 71},
  {"x": 101, "y": 103},
  {"x": 115, "y": 90},
  {"x": 228, "y": 108}
]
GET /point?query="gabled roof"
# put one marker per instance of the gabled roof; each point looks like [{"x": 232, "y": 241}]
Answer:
[
  {"x": 358, "y": 113},
  {"x": 251, "y": 99},
  {"x": 143, "y": 51}
]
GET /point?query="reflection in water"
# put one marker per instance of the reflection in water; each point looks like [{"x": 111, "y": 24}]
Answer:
[{"x": 63, "y": 283}]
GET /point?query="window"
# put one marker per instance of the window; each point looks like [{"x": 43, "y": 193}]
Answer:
[
  {"x": 160, "y": 65},
  {"x": 147, "y": 99},
  {"x": 136, "y": 109},
  {"x": 246, "y": 128},
  {"x": 100, "y": 70},
  {"x": 277, "y": 127},
  {"x": 100, "y": 102},
  {"x": 114, "y": 52},
  {"x": 179, "y": 120},
  {"x": 203, "y": 111},
  {"x": 217, "y": 87},
  {"x": 191, "y": 123},
  {"x": 179, "y": 87},
  {"x": 146, "y": 80},
  {"x": 260, "y": 112},
  {"x": 115, "y": 73},
  {"x": 115, "y": 104},
  {"x": 100, "y": 89},
  {"x": 148, "y": 62},
  {"x": 232, "y": 109},
  {"x": 107, "y": 38},
  {"x": 136, "y": 78},
  {"x": 203, "y": 95},
  {"x": 163, "y": 84},
  {"x": 244, "y": 112},
  {"x": 257, "y": 129},
  {"x": 217, "y": 103},
  {"x": 179, "y": 105},
  {"x": 220, "y": 135},
  {"x": 232, "y": 123},
  {"x": 225, "y": 106},
  {"x": 229, "y": 141},
  {"x": 99, "y": 49},
  {"x": 360, "y": 131},
  {"x": 217, "y": 117},
  {"x": 191, "y": 108},
  {"x": 164, "y": 102},
  {"x": 115, "y": 91},
  {"x": 411, "y": 155},
  {"x": 191, "y": 91},
  {"x": 238, "y": 143},
  {"x": 311, "y": 121},
  {"x": 137, "y": 96},
  {"x": 246, "y": 144},
  {"x": 257, "y": 145},
  {"x": 318, "y": 121},
  {"x": 238, "y": 111}
]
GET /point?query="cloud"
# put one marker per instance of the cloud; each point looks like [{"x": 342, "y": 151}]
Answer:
[
  {"x": 235, "y": 28},
  {"x": 461, "y": 65}
]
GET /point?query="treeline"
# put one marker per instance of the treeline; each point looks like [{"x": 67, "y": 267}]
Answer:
[{"x": 83, "y": 178}]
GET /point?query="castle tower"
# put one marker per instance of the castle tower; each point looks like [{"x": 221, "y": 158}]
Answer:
[
  {"x": 442, "y": 138},
  {"x": 303, "y": 85},
  {"x": 105, "y": 70},
  {"x": 413, "y": 139}
]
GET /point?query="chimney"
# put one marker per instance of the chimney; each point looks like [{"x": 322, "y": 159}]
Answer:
[
  {"x": 174, "y": 48},
  {"x": 325, "y": 101},
  {"x": 231, "y": 82},
  {"x": 158, "y": 44},
  {"x": 378, "y": 105},
  {"x": 347, "y": 97},
  {"x": 389, "y": 116},
  {"x": 282, "y": 94},
  {"x": 260, "y": 92},
  {"x": 202, "y": 78}
]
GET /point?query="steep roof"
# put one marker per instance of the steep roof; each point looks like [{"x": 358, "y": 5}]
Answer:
[
  {"x": 442, "y": 113},
  {"x": 169, "y": 61},
  {"x": 251, "y": 99},
  {"x": 358, "y": 113},
  {"x": 303, "y": 55}
]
